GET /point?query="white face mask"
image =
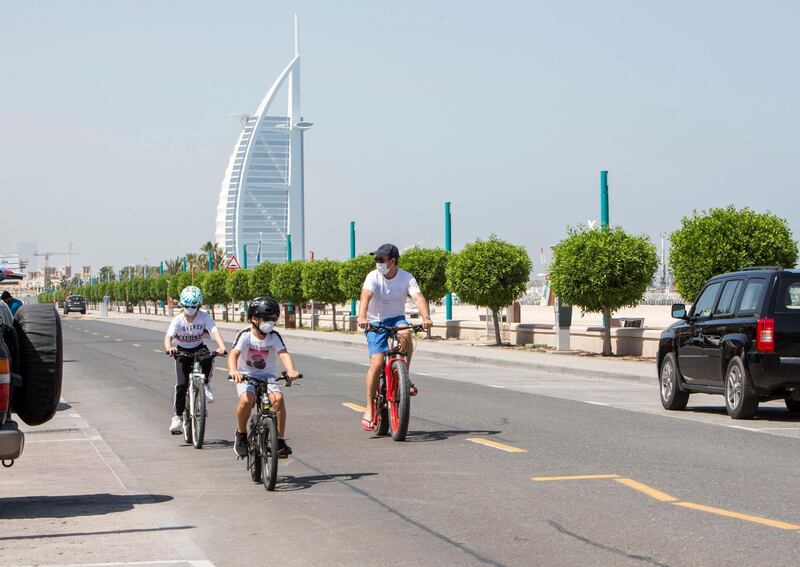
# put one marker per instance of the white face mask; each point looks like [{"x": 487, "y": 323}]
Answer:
[
  {"x": 382, "y": 268},
  {"x": 191, "y": 311},
  {"x": 266, "y": 326}
]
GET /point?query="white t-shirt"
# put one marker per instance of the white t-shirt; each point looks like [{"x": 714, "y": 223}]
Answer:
[
  {"x": 257, "y": 358},
  {"x": 190, "y": 335},
  {"x": 389, "y": 295}
]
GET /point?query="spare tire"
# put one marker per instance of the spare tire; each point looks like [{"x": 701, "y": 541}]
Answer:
[{"x": 40, "y": 363}]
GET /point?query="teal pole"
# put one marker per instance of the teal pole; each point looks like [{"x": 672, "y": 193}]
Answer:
[
  {"x": 288, "y": 247},
  {"x": 604, "y": 199},
  {"x": 210, "y": 262},
  {"x": 352, "y": 255},
  {"x": 244, "y": 256},
  {"x": 161, "y": 268},
  {"x": 448, "y": 246},
  {"x": 145, "y": 271},
  {"x": 184, "y": 263}
]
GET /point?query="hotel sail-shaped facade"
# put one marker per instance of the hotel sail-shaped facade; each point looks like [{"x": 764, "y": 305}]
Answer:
[{"x": 261, "y": 200}]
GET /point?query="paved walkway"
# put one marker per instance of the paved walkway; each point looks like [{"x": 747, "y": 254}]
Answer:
[{"x": 466, "y": 351}]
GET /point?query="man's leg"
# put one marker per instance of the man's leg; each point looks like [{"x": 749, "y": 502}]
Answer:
[
  {"x": 371, "y": 382},
  {"x": 246, "y": 402}
]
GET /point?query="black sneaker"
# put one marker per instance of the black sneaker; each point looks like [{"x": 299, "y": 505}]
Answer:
[
  {"x": 283, "y": 449},
  {"x": 240, "y": 444}
]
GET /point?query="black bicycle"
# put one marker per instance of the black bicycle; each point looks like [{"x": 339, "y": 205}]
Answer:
[
  {"x": 262, "y": 434},
  {"x": 194, "y": 413}
]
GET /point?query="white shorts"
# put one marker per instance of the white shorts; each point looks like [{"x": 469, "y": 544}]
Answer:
[{"x": 242, "y": 387}]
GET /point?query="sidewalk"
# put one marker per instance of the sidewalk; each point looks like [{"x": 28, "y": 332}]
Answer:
[{"x": 463, "y": 351}]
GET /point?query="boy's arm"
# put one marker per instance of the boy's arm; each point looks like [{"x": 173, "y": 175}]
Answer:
[
  {"x": 168, "y": 342},
  {"x": 217, "y": 336},
  {"x": 288, "y": 363},
  {"x": 233, "y": 359}
]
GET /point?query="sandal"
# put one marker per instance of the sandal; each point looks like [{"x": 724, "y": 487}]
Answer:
[
  {"x": 367, "y": 425},
  {"x": 412, "y": 390}
]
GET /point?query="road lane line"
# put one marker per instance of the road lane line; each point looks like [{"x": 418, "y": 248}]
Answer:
[
  {"x": 221, "y": 368},
  {"x": 738, "y": 516},
  {"x": 118, "y": 340},
  {"x": 574, "y": 477},
  {"x": 95, "y": 334},
  {"x": 596, "y": 403},
  {"x": 496, "y": 386},
  {"x": 648, "y": 490},
  {"x": 106, "y": 337},
  {"x": 496, "y": 445},
  {"x": 136, "y": 344},
  {"x": 157, "y": 350},
  {"x": 355, "y": 407}
]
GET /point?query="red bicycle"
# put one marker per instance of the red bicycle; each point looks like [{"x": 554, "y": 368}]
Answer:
[{"x": 391, "y": 405}]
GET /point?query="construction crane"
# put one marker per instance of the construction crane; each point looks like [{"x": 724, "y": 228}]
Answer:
[{"x": 68, "y": 254}]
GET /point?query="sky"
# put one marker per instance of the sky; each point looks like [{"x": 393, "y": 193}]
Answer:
[{"x": 116, "y": 126}]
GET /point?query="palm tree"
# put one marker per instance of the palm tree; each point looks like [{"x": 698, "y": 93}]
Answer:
[
  {"x": 217, "y": 254},
  {"x": 107, "y": 273},
  {"x": 173, "y": 266}
]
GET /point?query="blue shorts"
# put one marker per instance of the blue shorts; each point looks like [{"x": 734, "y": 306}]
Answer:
[{"x": 379, "y": 342}]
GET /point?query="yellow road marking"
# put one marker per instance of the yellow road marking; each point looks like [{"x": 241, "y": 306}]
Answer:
[
  {"x": 496, "y": 445},
  {"x": 136, "y": 344},
  {"x": 157, "y": 350},
  {"x": 738, "y": 516},
  {"x": 118, "y": 340},
  {"x": 575, "y": 477},
  {"x": 106, "y": 336},
  {"x": 222, "y": 368},
  {"x": 354, "y": 407},
  {"x": 644, "y": 489}
]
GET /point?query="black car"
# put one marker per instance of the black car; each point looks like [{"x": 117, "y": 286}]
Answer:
[
  {"x": 75, "y": 303},
  {"x": 741, "y": 339}
]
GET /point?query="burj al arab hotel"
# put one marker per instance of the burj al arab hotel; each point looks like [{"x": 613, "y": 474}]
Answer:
[{"x": 260, "y": 210}]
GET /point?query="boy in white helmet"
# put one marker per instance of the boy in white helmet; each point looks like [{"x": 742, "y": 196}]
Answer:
[{"x": 186, "y": 330}]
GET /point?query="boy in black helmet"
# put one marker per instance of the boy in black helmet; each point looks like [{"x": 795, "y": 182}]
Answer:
[{"x": 254, "y": 353}]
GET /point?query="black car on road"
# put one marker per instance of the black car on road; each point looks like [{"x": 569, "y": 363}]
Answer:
[
  {"x": 75, "y": 303},
  {"x": 740, "y": 339}
]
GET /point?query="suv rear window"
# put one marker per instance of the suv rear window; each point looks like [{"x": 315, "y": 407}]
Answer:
[
  {"x": 788, "y": 300},
  {"x": 725, "y": 304},
  {"x": 752, "y": 292}
]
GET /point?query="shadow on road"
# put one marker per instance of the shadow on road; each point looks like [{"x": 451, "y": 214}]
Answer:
[
  {"x": 776, "y": 414},
  {"x": 74, "y": 505},
  {"x": 63, "y": 406},
  {"x": 291, "y": 483},
  {"x": 441, "y": 435},
  {"x": 212, "y": 444}
]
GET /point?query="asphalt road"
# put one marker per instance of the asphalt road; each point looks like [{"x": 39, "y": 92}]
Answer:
[{"x": 696, "y": 490}]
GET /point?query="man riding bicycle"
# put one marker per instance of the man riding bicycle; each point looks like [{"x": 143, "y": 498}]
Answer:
[
  {"x": 187, "y": 329},
  {"x": 254, "y": 353},
  {"x": 383, "y": 300}
]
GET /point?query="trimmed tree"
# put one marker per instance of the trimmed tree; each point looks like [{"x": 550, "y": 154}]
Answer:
[
  {"x": 429, "y": 268},
  {"x": 352, "y": 274},
  {"x": 491, "y": 273},
  {"x": 177, "y": 283},
  {"x": 260, "y": 278},
  {"x": 726, "y": 240},
  {"x": 159, "y": 288},
  {"x": 602, "y": 270},
  {"x": 321, "y": 283},
  {"x": 237, "y": 286},
  {"x": 214, "y": 288},
  {"x": 287, "y": 285}
]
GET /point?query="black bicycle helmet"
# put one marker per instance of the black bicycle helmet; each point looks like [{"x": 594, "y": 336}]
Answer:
[{"x": 264, "y": 308}]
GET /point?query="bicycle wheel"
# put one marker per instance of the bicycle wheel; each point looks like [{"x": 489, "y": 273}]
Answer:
[
  {"x": 269, "y": 453},
  {"x": 253, "y": 457},
  {"x": 199, "y": 417},
  {"x": 400, "y": 407},
  {"x": 379, "y": 409},
  {"x": 187, "y": 417}
]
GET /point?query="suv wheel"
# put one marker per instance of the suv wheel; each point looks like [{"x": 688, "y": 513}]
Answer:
[
  {"x": 791, "y": 404},
  {"x": 740, "y": 400},
  {"x": 672, "y": 397}
]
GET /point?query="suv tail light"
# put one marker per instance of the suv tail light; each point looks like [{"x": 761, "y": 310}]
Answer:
[
  {"x": 765, "y": 335},
  {"x": 5, "y": 384}
]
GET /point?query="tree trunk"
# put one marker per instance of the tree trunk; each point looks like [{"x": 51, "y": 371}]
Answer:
[
  {"x": 213, "y": 316},
  {"x": 607, "y": 332},
  {"x": 333, "y": 312},
  {"x": 495, "y": 316},
  {"x": 299, "y": 309}
]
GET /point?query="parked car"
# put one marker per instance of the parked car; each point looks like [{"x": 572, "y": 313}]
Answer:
[
  {"x": 74, "y": 303},
  {"x": 31, "y": 360},
  {"x": 740, "y": 339}
]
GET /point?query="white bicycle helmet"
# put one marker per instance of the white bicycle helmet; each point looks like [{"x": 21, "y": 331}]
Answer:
[{"x": 191, "y": 296}]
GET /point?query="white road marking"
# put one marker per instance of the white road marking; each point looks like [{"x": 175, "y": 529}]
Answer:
[
  {"x": 496, "y": 386},
  {"x": 200, "y": 563},
  {"x": 596, "y": 403}
]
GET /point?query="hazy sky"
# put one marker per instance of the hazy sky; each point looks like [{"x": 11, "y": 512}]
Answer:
[{"x": 115, "y": 128}]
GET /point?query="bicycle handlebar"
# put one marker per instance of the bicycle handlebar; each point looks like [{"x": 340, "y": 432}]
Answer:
[
  {"x": 372, "y": 328},
  {"x": 196, "y": 355},
  {"x": 285, "y": 377}
]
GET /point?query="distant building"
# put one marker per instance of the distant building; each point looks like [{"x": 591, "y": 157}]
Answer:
[
  {"x": 261, "y": 200},
  {"x": 86, "y": 273},
  {"x": 27, "y": 254}
]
